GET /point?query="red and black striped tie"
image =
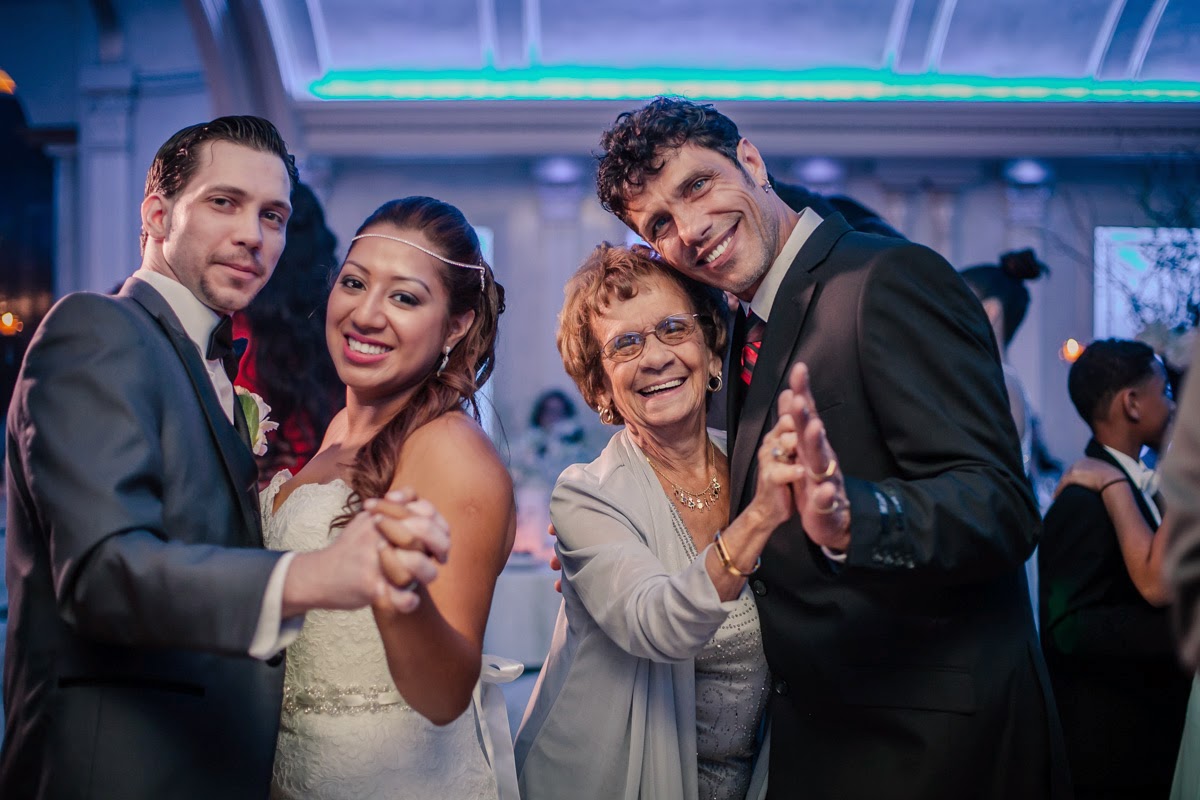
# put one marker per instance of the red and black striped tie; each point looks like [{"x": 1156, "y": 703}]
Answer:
[{"x": 754, "y": 337}]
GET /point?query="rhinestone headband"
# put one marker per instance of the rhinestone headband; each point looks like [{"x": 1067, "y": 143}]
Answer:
[{"x": 482, "y": 271}]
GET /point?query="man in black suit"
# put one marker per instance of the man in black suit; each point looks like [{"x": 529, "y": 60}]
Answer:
[
  {"x": 1120, "y": 690},
  {"x": 146, "y": 618},
  {"x": 894, "y": 609}
]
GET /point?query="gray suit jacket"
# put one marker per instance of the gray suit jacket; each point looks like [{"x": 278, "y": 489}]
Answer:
[{"x": 135, "y": 568}]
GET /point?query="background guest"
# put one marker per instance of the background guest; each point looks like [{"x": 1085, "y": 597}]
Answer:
[
  {"x": 860, "y": 217},
  {"x": 553, "y": 441},
  {"x": 1120, "y": 691},
  {"x": 1180, "y": 484},
  {"x": 1005, "y": 297},
  {"x": 1001, "y": 288},
  {"x": 286, "y": 361}
]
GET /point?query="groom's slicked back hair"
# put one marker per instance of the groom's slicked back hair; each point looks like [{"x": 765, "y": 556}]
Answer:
[
  {"x": 178, "y": 158},
  {"x": 637, "y": 144}
]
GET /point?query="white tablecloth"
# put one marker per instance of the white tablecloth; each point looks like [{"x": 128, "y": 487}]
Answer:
[{"x": 524, "y": 609}]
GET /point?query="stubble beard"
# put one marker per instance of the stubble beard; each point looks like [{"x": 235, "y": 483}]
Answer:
[{"x": 225, "y": 300}]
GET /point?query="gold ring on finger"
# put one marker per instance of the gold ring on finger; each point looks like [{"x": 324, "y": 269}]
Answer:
[
  {"x": 821, "y": 477},
  {"x": 778, "y": 454}
]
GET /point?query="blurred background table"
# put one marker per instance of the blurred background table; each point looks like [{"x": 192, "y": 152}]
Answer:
[{"x": 524, "y": 609}]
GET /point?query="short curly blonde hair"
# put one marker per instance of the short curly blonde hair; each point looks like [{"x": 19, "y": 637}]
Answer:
[{"x": 615, "y": 273}]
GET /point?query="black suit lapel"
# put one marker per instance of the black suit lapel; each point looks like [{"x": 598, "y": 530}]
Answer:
[
  {"x": 238, "y": 460},
  {"x": 1096, "y": 450},
  {"x": 735, "y": 390},
  {"x": 796, "y": 293}
]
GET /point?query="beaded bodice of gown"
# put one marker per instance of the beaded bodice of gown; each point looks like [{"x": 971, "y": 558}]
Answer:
[{"x": 345, "y": 731}]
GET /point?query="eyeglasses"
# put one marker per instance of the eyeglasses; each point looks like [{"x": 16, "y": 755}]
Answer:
[{"x": 671, "y": 330}]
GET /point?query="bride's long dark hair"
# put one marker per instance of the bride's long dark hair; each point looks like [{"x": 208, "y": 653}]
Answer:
[{"x": 471, "y": 361}]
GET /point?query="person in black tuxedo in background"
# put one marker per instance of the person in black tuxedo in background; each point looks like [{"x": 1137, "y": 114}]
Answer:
[
  {"x": 894, "y": 609},
  {"x": 1120, "y": 689},
  {"x": 861, "y": 217}
]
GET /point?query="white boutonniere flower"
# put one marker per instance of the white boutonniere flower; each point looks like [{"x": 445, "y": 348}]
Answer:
[{"x": 257, "y": 422}]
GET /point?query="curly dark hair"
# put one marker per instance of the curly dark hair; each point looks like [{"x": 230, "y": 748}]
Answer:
[
  {"x": 1006, "y": 283},
  {"x": 615, "y": 273},
  {"x": 471, "y": 361},
  {"x": 637, "y": 143},
  {"x": 287, "y": 326},
  {"x": 177, "y": 160},
  {"x": 1106, "y": 367}
]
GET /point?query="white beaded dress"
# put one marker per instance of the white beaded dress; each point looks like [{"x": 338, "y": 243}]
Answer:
[{"x": 346, "y": 733}]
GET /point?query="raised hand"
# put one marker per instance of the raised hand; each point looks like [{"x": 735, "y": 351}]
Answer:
[
  {"x": 779, "y": 471},
  {"x": 820, "y": 492}
]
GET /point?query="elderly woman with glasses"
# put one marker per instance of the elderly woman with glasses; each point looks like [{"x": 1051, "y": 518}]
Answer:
[{"x": 656, "y": 683}]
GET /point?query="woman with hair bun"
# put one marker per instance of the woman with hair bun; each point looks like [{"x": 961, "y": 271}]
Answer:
[
  {"x": 1005, "y": 297},
  {"x": 1001, "y": 288}
]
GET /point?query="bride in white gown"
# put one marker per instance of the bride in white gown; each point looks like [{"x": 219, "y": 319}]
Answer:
[{"x": 378, "y": 704}]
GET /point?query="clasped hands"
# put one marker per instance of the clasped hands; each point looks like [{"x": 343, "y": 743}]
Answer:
[
  {"x": 807, "y": 470},
  {"x": 385, "y": 555}
]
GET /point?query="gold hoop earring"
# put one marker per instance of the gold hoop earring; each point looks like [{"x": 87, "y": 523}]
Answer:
[
  {"x": 719, "y": 382},
  {"x": 606, "y": 414}
]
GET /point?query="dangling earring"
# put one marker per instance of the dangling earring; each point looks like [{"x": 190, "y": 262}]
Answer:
[
  {"x": 445, "y": 360},
  {"x": 606, "y": 414},
  {"x": 719, "y": 382}
]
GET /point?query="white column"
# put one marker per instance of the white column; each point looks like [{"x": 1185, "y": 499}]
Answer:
[
  {"x": 1035, "y": 344},
  {"x": 66, "y": 220},
  {"x": 108, "y": 228}
]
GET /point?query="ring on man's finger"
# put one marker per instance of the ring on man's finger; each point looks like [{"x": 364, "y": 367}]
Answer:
[
  {"x": 413, "y": 585},
  {"x": 837, "y": 505},
  {"x": 820, "y": 477}
]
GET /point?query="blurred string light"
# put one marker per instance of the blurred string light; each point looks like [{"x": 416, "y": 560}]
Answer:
[
  {"x": 818, "y": 171},
  {"x": 10, "y": 324},
  {"x": 1071, "y": 350},
  {"x": 606, "y": 83}
]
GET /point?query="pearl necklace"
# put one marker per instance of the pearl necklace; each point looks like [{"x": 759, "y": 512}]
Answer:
[{"x": 696, "y": 501}]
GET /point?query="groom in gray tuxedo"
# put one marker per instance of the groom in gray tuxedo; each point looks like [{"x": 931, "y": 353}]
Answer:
[{"x": 147, "y": 622}]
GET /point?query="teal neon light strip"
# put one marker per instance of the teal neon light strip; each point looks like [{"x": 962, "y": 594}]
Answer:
[{"x": 583, "y": 83}]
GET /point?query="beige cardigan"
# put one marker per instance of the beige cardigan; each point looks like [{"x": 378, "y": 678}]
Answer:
[{"x": 613, "y": 715}]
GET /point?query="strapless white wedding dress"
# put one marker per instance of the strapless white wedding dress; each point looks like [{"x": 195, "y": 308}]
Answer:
[{"x": 346, "y": 733}]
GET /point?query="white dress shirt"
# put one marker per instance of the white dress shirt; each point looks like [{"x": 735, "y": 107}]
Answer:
[
  {"x": 273, "y": 633},
  {"x": 764, "y": 296},
  {"x": 1144, "y": 478}
]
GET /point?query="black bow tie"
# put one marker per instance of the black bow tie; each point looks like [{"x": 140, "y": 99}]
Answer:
[{"x": 221, "y": 345}]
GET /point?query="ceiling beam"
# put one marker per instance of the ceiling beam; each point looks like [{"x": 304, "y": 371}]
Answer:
[
  {"x": 419, "y": 130},
  {"x": 1104, "y": 37},
  {"x": 1145, "y": 36}
]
